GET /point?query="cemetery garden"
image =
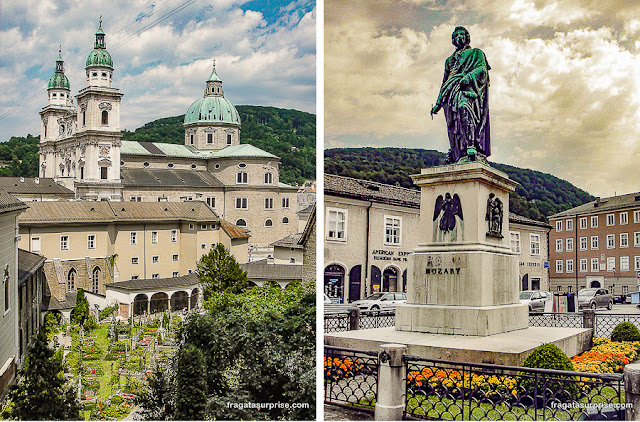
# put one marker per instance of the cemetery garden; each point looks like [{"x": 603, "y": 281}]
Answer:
[{"x": 109, "y": 364}]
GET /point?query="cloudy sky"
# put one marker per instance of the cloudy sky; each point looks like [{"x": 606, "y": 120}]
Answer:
[
  {"x": 162, "y": 51},
  {"x": 565, "y": 81}
]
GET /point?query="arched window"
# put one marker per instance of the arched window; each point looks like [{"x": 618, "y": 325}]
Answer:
[
  {"x": 268, "y": 178},
  {"x": 285, "y": 220},
  {"x": 71, "y": 280},
  {"x": 268, "y": 223},
  {"x": 105, "y": 117},
  {"x": 84, "y": 117},
  {"x": 95, "y": 279},
  {"x": 241, "y": 223}
]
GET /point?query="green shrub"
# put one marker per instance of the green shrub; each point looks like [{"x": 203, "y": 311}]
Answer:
[
  {"x": 116, "y": 400},
  {"x": 556, "y": 387},
  {"x": 625, "y": 331},
  {"x": 107, "y": 312},
  {"x": 548, "y": 356}
]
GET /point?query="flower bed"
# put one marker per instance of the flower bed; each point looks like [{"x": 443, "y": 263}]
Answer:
[
  {"x": 337, "y": 369},
  {"x": 444, "y": 382},
  {"x": 606, "y": 357}
]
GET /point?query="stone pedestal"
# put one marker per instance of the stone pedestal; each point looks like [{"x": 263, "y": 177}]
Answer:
[{"x": 464, "y": 278}]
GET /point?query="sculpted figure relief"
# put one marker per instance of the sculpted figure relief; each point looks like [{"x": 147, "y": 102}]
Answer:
[{"x": 464, "y": 96}]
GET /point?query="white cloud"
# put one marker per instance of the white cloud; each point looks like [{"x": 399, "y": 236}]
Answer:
[
  {"x": 564, "y": 97},
  {"x": 163, "y": 69}
]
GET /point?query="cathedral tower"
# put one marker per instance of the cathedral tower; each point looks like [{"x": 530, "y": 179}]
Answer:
[
  {"x": 212, "y": 122},
  {"x": 97, "y": 171},
  {"x": 58, "y": 119}
]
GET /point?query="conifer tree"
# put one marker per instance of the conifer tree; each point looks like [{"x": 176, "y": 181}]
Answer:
[
  {"x": 41, "y": 392},
  {"x": 220, "y": 272}
]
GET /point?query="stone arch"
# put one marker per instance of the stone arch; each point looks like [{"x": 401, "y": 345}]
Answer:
[
  {"x": 159, "y": 302},
  {"x": 390, "y": 280},
  {"x": 194, "y": 297},
  {"x": 355, "y": 277},
  {"x": 334, "y": 275},
  {"x": 140, "y": 304},
  {"x": 179, "y": 301}
]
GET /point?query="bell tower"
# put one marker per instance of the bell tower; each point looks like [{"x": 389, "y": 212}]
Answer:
[
  {"x": 58, "y": 122},
  {"x": 97, "y": 173}
]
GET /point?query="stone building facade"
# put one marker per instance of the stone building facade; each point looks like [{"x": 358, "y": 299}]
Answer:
[
  {"x": 528, "y": 238},
  {"x": 369, "y": 234},
  {"x": 91, "y": 244},
  {"x": 31, "y": 286},
  {"x": 597, "y": 245},
  {"x": 81, "y": 148},
  {"x": 10, "y": 208}
]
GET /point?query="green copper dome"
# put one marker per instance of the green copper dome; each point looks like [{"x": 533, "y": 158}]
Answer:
[
  {"x": 212, "y": 109},
  {"x": 99, "y": 57},
  {"x": 59, "y": 80}
]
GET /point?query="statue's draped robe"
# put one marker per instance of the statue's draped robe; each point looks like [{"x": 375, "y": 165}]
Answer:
[{"x": 466, "y": 108}]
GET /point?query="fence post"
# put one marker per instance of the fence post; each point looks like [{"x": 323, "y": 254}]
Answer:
[
  {"x": 354, "y": 319},
  {"x": 632, "y": 391},
  {"x": 589, "y": 320},
  {"x": 390, "y": 402}
]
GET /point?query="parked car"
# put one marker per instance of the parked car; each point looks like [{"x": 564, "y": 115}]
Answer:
[
  {"x": 620, "y": 298},
  {"x": 595, "y": 298},
  {"x": 382, "y": 301},
  {"x": 535, "y": 299}
]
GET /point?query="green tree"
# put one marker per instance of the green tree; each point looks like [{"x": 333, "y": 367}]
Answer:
[
  {"x": 258, "y": 346},
  {"x": 191, "y": 397},
  {"x": 81, "y": 310},
  {"x": 156, "y": 401},
  {"x": 41, "y": 393},
  {"x": 219, "y": 271}
]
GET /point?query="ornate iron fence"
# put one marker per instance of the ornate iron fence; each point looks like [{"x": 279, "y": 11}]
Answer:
[
  {"x": 605, "y": 323},
  {"x": 350, "y": 378},
  {"x": 336, "y": 322},
  {"x": 573, "y": 320},
  {"x": 377, "y": 320},
  {"x": 439, "y": 389}
]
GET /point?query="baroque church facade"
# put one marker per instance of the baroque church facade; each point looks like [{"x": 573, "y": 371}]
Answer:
[{"x": 81, "y": 148}]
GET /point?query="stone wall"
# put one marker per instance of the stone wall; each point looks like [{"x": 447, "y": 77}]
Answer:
[{"x": 56, "y": 272}]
